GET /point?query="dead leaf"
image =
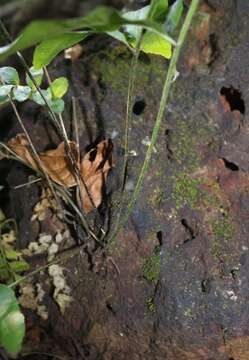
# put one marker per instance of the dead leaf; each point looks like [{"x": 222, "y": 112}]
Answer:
[
  {"x": 74, "y": 52},
  {"x": 20, "y": 145},
  {"x": 95, "y": 167},
  {"x": 56, "y": 164}
]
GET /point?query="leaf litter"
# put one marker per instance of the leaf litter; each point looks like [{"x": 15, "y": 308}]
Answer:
[{"x": 93, "y": 168}]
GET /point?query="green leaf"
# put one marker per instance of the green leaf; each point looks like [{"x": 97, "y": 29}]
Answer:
[
  {"x": 7, "y": 298},
  {"x": 36, "y": 97},
  {"x": 21, "y": 93},
  {"x": 59, "y": 87},
  {"x": 19, "y": 266},
  {"x": 159, "y": 10},
  {"x": 57, "y": 105},
  {"x": 9, "y": 75},
  {"x": 152, "y": 43},
  {"x": 155, "y": 44},
  {"x": 5, "y": 90},
  {"x": 48, "y": 49},
  {"x": 118, "y": 35},
  {"x": 141, "y": 14},
  {"x": 37, "y": 74},
  {"x": 174, "y": 15},
  {"x": 12, "y": 254},
  {"x": 4, "y": 273},
  {"x": 102, "y": 19},
  {"x": 12, "y": 326}
]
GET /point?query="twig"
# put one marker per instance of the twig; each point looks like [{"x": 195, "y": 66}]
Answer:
[
  {"x": 65, "y": 255},
  {"x": 63, "y": 191},
  {"x": 76, "y": 172},
  {"x": 37, "y": 158},
  {"x": 27, "y": 183},
  {"x": 128, "y": 116},
  {"x": 26, "y": 67},
  {"x": 73, "y": 162},
  {"x": 78, "y": 212},
  {"x": 160, "y": 114},
  {"x": 59, "y": 124},
  {"x": 130, "y": 92},
  {"x": 75, "y": 122}
]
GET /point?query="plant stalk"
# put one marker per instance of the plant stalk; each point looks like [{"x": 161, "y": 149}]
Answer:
[
  {"x": 163, "y": 102},
  {"x": 36, "y": 156},
  {"x": 65, "y": 255}
]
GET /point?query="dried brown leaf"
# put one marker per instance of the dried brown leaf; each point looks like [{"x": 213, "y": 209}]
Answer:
[
  {"x": 94, "y": 169},
  {"x": 20, "y": 145},
  {"x": 54, "y": 162},
  {"x": 57, "y": 166}
]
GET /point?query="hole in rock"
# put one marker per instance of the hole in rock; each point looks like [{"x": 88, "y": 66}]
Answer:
[
  {"x": 205, "y": 286},
  {"x": 214, "y": 48},
  {"x": 234, "y": 98},
  {"x": 138, "y": 107},
  {"x": 159, "y": 236},
  {"x": 230, "y": 165},
  {"x": 189, "y": 229},
  {"x": 110, "y": 308}
]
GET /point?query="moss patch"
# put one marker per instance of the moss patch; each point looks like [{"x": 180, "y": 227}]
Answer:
[
  {"x": 183, "y": 144},
  {"x": 114, "y": 67},
  {"x": 157, "y": 196},
  {"x": 186, "y": 191},
  {"x": 150, "y": 305},
  {"x": 223, "y": 228},
  {"x": 151, "y": 268},
  {"x": 223, "y": 231}
]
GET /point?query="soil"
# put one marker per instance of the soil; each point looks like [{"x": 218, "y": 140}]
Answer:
[{"x": 174, "y": 284}]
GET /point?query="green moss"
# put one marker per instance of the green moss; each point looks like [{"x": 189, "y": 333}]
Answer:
[
  {"x": 151, "y": 268},
  {"x": 114, "y": 67},
  {"x": 186, "y": 191},
  {"x": 159, "y": 173},
  {"x": 150, "y": 305},
  {"x": 157, "y": 196},
  {"x": 223, "y": 229},
  {"x": 183, "y": 144},
  {"x": 188, "y": 313},
  {"x": 223, "y": 232}
]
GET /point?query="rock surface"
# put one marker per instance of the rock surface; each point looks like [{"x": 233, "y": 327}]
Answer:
[{"x": 174, "y": 284}]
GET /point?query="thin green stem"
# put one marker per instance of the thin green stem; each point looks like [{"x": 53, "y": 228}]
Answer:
[
  {"x": 63, "y": 191},
  {"x": 65, "y": 255},
  {"x": 165, "y": 94},
  {"x": 131, "y": 84},
  {"x": 130, "y": 92},
  {"x": 33, "y": 273},
  {"x": 4, "y": 260},
  {"x": 73, "y": 161}
]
